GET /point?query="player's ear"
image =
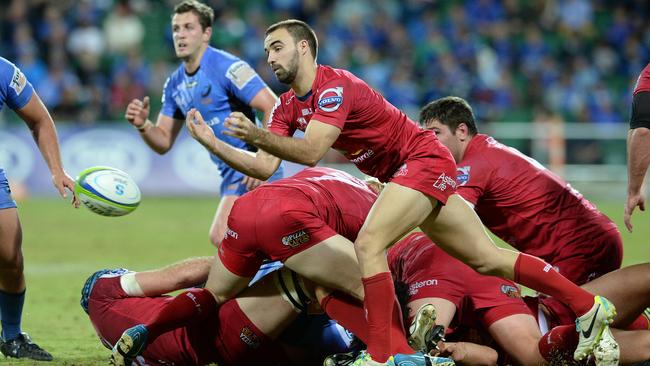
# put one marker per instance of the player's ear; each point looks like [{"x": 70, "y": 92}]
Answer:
[
  {"x": 304, "y": 47},
  {"x": 207, "y": 34},
  {"x": 462, "y": 131}
]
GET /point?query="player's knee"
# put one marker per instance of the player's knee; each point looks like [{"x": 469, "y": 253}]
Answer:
[
  {"x": 12, "y": 261},
  {"x": 369, "y": 244}
]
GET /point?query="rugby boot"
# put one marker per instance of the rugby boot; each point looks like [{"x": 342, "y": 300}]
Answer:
[
  {"x": 423, "y": 323},
  {"x": 419, "y": 359},
  {"x": 23, "y": 347},
  {"x": 129, "y": 346},
  {"x": 607, "y": 352},
  {"x": 592, "y": 325}
]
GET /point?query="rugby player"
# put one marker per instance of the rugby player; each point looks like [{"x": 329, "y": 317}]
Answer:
[
  {"x": 215, "y": 83},
  {"x": 638, "y": 146},
  {"x": 336, "y": 109},
  {"x": 17, "y": 93},
  {"x": 521, "y": 201}
]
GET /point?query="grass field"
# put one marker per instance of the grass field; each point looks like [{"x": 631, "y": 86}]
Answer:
[{"x": 63, "y": 246}]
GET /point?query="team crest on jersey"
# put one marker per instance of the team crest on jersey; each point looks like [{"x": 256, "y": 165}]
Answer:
[
  {"x": 331, "y": 99},
  {"x": 511, "y": 291},
  {"x": 249, "y": 337},
  {"x": 462, "y": 175},
  {"x": 18, "y": 81},
  {"x": 443, "y": 182},
  {"x": 295, "y": 239}
]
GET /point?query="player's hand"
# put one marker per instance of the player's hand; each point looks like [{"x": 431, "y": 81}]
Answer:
[
  {"x": 633, "y": 200},
  {"x": 239, "y": 126},
  {"x": 63, "y": 182},
  {"x": 453, "y": 350},
  {"x": 199, "y": 130},
  {"x": 137, "y": 112},
  {"x": 252, "y": 183}
]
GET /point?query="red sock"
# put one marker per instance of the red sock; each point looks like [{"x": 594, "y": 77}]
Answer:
[
  {"x": 349, "y": 313},
  {"x": 185, "y": 307},
  {"x": 535, "y": 273},
  {"x": 378, "y": 303},
  {"x": 562, "y": 339},
  {"x": 640, "y": 323}
]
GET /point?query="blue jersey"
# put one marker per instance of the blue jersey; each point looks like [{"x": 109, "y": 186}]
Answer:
[
  {"x": 222, "y": 84},
  {"x": 15, "y": 90}
]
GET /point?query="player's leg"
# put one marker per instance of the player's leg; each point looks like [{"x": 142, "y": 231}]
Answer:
[
  {"x": 12, "y": 284},
  {"x": 518, "y": 335},
  {"x": 421, "y": 323},
  {"x": 220, "y": 220},
  {"x": 457, "y": 229},
  {"x": 397, "y": 211}
]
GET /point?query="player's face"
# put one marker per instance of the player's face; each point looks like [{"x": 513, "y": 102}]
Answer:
[
  {"x": 446, "y": 137},
  {"x": 282, "y": 55},
  {"x": 188, "y": 35}
]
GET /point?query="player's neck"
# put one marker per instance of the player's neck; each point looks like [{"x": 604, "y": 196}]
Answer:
[
  {"x": 193, "y": 62},
  {"x": 305, "y": 79}
]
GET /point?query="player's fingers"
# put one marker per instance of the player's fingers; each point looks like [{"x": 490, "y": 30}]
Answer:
[{"x": 145, "y": 102}]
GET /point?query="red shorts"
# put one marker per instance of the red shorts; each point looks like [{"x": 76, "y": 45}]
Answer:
[
  {"x": 429, "y": 168},
  {"x": 227, "y": 339},
  {"x": 605, "y": 255},
  {"x": 274, "y": 224},
  {"x": 430, "y": 272}
]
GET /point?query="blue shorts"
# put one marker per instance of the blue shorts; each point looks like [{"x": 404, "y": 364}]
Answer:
[
  {"x": 233, "y": 185},
  {"x": 5, "y": 193}
]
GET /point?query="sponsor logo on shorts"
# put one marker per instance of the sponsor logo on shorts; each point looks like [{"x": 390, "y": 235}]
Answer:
[
  {"x": 330, "y": 99},
  {"x": 402, "y": 171},
  {"x": 443, "y": 182},
  {"x": 361, "y": 158},
  {"x": 511, "y": 291},
  {"x": 231, "y": 233},
  {"x": 295, "y": 239},
  {"x": 18, "y": 81},
  {"x": 462, "y": 176},
  {"x": 249, "y": 337},
  {"x": 415, "y": 287}
]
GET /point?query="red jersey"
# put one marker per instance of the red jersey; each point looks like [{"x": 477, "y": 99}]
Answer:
[
  {"x": 643, "y": 82},
  {"x": 530, "y": 207},
  {"x": 375, "y": 136}
]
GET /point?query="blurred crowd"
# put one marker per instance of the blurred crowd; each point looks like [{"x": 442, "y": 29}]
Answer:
[{"x": 512, "y": 59}]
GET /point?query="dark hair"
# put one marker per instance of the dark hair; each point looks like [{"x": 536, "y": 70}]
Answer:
[
  {"x": 299, "y": 31},
  {"x": 204, "y": 12},
  {"x": 450, "y": 111}
]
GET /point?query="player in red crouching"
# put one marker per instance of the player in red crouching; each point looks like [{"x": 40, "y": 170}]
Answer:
[{"x": 521, "y": 201}]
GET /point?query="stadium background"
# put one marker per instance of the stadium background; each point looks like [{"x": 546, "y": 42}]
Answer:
[{"x": 552, "y": 78}]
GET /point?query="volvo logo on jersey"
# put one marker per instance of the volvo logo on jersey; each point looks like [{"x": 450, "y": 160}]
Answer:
[{"x": 330, "y": 99}]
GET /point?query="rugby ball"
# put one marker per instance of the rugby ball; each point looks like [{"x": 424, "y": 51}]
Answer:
[{"x": 107, "y": 191}]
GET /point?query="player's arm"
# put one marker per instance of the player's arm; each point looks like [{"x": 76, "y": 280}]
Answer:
[
  {"x": 40, "y": 122},
  {"x": 184, "y": 274},
  {"x": 638, "y": 154},
  {"x": 264, "y": 101},
  {"x": 160, "y": 136},
  {"x": 319, "y": 137},
  {"x": 465, "y": 353}
]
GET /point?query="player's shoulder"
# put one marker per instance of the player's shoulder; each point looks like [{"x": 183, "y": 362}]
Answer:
[
  {"x": 643, "y": 81},
  {"x": 7, "y": 69},
  {"x": 176, "y": 77},
  {"x": 329, "y": 73}
]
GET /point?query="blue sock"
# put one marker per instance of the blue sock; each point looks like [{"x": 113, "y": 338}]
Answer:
[{"x": 11, "y": 311}]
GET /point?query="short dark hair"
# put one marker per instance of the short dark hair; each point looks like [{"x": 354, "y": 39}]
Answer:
[
  {"x": 450, "y": 111},
  {"x": 299, "y": 30},
  {"x": 204, "y": 12}
]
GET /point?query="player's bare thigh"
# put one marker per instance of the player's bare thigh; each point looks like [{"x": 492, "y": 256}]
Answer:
[
  {"x": 456, "y": 229},
  {"x": 331, "y": 263},
  {"x": 398, "y": 210},
  {"x": 518, "y": 335},
  {"x": 220, "y": 220}
]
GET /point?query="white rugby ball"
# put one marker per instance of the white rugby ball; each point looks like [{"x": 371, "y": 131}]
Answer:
[{"x": 107, "y": 191}]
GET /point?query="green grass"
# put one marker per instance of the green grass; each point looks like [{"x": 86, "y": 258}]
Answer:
[{"x": 63, "y": 246}]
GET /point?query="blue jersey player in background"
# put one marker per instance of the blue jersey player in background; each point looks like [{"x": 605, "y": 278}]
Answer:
[
  {"x": 17, "y": 93},
  {"x": 214, "y": 82}
]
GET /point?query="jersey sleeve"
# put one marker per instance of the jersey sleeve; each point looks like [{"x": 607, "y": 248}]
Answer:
[
  {"x": 17, "y": 90},
  {"x": 334, "y": 102},
  {"x": 243, "y": 82},
  {"x": 169, "y": 107},
  {"x": 640, "y": 110},
  {"x": 279, "y": 122},
  {"x": 472, "y": 178}
]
